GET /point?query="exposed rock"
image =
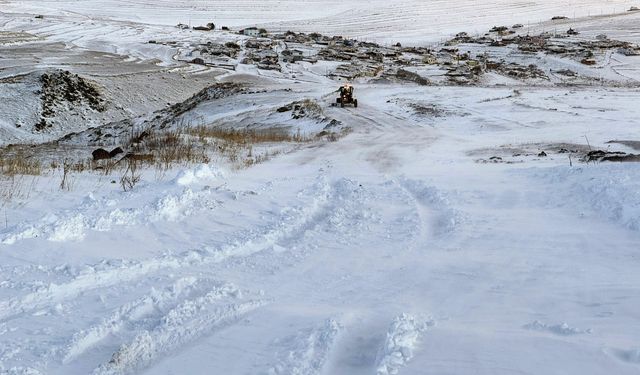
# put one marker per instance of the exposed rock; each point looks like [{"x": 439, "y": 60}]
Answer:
[
  {"x": 588, "y": 61},
  {"x": 622, "y": 158},
  {"x": 497, "y": 29},
  {"x": 406, "y": 75},
  {"x": 613, "y": 156},
  {"x": 116, "y": 151},
  {"x": 61, "y": 90},
  {"x": 210, "y": 26},
  {"x": 567, "y": 72},
  {"x": 100, "y": 154}
]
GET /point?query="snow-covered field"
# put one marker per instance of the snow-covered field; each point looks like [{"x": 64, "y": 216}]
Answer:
[
  {"x": 434, "y": 238},
  {"x": 399, "y": 20}
]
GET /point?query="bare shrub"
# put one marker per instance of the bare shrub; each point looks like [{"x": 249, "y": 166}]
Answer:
[
  {"x": 64, "y": 182},
  {"x": 131, "y": 175},
  {"x": 16, "y": 187},
  {"x": 146, "y": 148}
]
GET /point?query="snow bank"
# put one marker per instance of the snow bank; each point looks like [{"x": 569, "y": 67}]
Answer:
[
  {"x": 201, "y": 174},
  {"x": 308, "y": 351},
  {"x": 106, "y": 214},
  {"x": 402, "y": 339},
  {"x": 71, "y": 229},
  {"x": 610, "y": 191}
]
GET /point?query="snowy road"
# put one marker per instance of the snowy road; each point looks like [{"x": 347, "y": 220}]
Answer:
[{"x": 389, "y": 251}]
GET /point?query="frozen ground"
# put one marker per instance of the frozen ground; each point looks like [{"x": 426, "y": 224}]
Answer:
[{"x": 432, "y": 239}]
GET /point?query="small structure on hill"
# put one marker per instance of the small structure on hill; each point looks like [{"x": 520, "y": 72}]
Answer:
[
  {"x": 292, "y": 55},
  {"x": 250, "y": 31},
  {"x": 209, "y": 27},
  {"x": 571, "y": 31}
]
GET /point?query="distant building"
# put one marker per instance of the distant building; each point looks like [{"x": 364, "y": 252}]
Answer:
[
  {"x": 251, "y": 31},
  {"x": 292, "y": 55},
  {"x": 198, "y": 61}
]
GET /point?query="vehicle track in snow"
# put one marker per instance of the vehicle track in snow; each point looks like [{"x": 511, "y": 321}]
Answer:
[
  {"x": 307, "y": 352},
  {"x": 326, "y": 207},
  {"x": 402, "y": 339},
  {"x": 294, "y": 221},
  {"x": 433, "y": 207},
  {"x": 143, "y": 312},
  {"x": 187, "y": 322}
]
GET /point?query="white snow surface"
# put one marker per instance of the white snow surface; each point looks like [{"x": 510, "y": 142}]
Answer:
[
  {"x": 381, "y": 20},
  {"x": 339, "y": 257},
  {"x": 402, "y": 339},
  {"x": 325, "y": 260}
]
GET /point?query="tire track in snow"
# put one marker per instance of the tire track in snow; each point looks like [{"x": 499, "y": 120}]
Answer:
[
  {"x": 420, "y": 230},
  {"x": 431, "y": 202},
  {"x": 308, "y": 351},
  {"x": 55, "y": 293},
  {"x": 129, "y": 316},
  {"x": 292, "y": 223},
  {"x": 187, "y": 322},
  {"x": 402, "y": 339}
]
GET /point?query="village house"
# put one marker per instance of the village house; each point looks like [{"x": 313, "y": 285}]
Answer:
[
  {"x": 292, "y": 55},
  {"x": 251, "y": 31}
]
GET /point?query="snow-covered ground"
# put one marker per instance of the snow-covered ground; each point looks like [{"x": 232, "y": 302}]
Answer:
[
  {"x": 400, "y": 20},
  {"x": 308, "y": 263},
  {"x": 434, "y": 238}
]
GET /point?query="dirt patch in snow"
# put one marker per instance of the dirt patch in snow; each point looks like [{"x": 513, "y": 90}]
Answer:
[{"x": 510, "y": 154}]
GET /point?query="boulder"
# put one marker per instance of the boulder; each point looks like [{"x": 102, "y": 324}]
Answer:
[
  {"x": 100, "y": 154},
  {"x": 116, "y": 151}
]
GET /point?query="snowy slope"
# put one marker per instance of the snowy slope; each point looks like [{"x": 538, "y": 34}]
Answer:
[
  {"x": 411, "y": 21},
  {"x": 435, "y": 238},
  {"x": 390, "y": 250}
]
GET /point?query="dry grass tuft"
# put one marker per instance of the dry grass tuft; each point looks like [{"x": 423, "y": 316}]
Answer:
[
  {"x": 19, "y": 164},
  {"x": 246, "y": 136},
  {"x": 146, "y": 149}
]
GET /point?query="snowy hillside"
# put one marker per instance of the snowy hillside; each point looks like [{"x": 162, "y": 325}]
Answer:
[
  {"x": 179, "y": 201},
  {"x": 413, "y": 21}
]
